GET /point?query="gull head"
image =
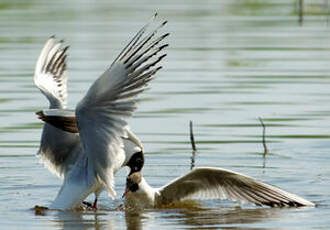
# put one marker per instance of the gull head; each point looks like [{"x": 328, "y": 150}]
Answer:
[
  {"x": 132, "y": 182},
  {"x": 136, "y": 162}
]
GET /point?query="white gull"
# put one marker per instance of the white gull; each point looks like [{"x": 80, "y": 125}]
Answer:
[{"x": 96, "y": 142}]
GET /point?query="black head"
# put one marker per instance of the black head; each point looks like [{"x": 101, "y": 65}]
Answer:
[
  {"x": 131, "y": 186},
  {"x": 136, "y": 162},
  {"x": 132, "y": 182}
]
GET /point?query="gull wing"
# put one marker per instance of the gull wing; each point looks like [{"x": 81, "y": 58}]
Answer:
[
  {"x": 63, "y": 119},
  {"x": 101, "y": 115},
  {"x": 64, "y": 155},
  {"x": 50, "y": 73},
  {"x": 59, "y": 150},
  {"x": 225, "y": 184}
]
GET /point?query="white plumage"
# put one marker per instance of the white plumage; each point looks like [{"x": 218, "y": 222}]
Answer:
[
  {"x": 209, "y": 183},
  {"x": 102, "y": 142}
]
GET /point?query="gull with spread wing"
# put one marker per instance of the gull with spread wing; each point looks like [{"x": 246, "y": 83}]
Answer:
[
  {"x": 59, "y": 149},
  {"x": 208, "y": 183},
  {"x": 101, "y": 140}
]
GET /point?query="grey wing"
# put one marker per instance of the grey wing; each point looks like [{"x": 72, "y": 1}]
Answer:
[
  {"x": 225, "y": 184},
  {"x": 65, "y": 120},
  {"x": 50, "y": 73},
  {"x": 59, "y": 149},
  {"x": 101, "y": 115}
]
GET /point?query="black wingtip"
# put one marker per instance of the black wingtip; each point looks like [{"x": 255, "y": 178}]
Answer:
[
  {"x": 165, "y": 35},
  {"x": 163, "y": 46},
  {"x": 164, "y": 23},
  {"x": 66, "y": 48},
  {"x": 40, "y": 115},
  {"x": 161, "y": 57},
  {"x": 158, "y": 68}
]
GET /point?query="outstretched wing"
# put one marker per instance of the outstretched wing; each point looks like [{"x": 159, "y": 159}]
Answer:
[
  {"x": 224, "y": 184},
  {"x": 101, "y": 115},
  {"x": 50, "y": 73},
  {"x": 58, "y": 149}
]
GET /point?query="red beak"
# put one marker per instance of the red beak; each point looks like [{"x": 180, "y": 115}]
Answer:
[{"x": 124, "y": 194}]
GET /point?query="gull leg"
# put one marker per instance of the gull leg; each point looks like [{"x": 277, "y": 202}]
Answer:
[
  {"x": 95, "y": 203},
  {"x": 96, "y": 193}
]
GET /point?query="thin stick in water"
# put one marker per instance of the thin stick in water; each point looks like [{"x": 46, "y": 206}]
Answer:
[
  {"x": 264, "y": 136},
  {"x": 326, "y": 7},
  {"x": 301, "y": 11},
  {"x": 193, "y": 145}
]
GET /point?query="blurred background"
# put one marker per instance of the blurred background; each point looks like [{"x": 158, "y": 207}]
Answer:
[{"x": 229, "y": 63}]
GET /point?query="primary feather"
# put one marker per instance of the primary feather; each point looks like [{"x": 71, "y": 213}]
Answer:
[{"x": 50, "y": 73}]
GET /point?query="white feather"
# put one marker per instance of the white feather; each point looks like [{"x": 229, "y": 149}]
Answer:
[{"x": 50, "y": 76}]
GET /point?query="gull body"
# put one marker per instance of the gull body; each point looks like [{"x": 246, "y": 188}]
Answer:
[
  {"x": 208, "y": 183},
  {"x": 88, "y": 145}
]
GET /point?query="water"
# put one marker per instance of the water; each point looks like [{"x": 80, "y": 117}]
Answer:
[{"x": 229, "y": 63}]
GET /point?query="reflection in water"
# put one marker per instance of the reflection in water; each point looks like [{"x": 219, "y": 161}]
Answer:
[
  {"x": 226, "y": 216},
  {"x": 206, "y": 218},
  {"x": 134, "y": 220},
  {"x": 81, "y": 220}
]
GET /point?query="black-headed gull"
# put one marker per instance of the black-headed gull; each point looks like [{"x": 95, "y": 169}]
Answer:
[
  {"x": 208, "y": 183},
  {"x": 104, "y": 142}
]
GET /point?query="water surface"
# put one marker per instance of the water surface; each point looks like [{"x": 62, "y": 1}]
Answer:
[{"x": 229, "y": 63}]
